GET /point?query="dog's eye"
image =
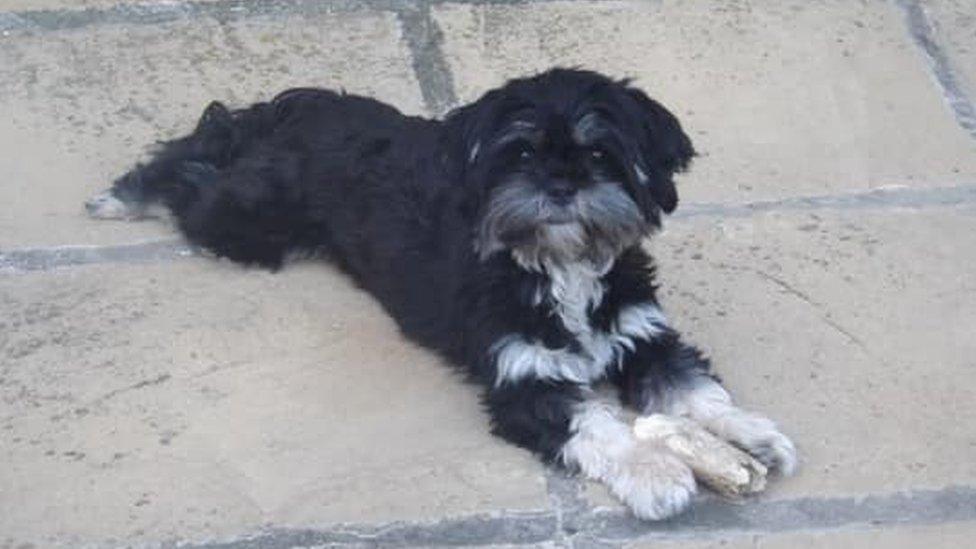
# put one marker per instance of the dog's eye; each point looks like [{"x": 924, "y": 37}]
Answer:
[
  {"x": 597, "y": 154},
  {"x": 525, "y": 153}
]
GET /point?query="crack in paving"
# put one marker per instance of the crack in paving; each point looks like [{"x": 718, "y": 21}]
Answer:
[
  {"x": 27, "y": 260},
  {"x": 158, "y": 380},
  {"x": 921, "y": 30},
  {"x": 605, "y": 527},
  {"x": 821, "y": 310}
]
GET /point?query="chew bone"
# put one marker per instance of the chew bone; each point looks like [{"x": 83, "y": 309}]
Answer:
[{"x": 716, "y": 463}]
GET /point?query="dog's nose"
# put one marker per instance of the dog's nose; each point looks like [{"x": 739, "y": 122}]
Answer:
[{"x": 561, "y": 191}]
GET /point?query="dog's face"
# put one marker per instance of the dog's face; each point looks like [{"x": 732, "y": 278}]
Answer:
[{"x": 568, "y": 165}]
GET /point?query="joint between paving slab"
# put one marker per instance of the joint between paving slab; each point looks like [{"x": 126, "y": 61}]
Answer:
[
  {"x": 875, "y": 199},
  {"x": 606, "y": 527},
  {"x": 500, "y": 528},
  {"x": 921, "y": 29},
  {"x": 565, "y": 493},
  {"x": 156, "y": 13},
  {"x": 423, "y": 38},
  {"x": 27, "y": 260}
]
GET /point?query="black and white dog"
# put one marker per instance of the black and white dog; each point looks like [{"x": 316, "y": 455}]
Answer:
[{"x": 507, "y": 237}]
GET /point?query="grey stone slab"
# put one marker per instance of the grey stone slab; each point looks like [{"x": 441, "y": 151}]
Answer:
[
  {"x": 851, "y": 329},
  {"x": 781, "y": 98},
  {"x": 194, "y": 401},
  {"x": 83, "y": 104}
]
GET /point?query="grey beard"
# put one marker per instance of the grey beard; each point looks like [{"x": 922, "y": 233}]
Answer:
[{"x": 596, "y": 227}]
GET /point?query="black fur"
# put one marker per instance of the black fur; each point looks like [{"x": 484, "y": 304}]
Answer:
[{"x": 403, "y": 205}]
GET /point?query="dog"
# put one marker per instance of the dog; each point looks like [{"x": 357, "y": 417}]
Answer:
[{"x": 505, "y": 236}]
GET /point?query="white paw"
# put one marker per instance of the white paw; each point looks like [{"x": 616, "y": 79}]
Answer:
[
  {"x": 759, "y": 437},
  {"x": 105, "y": 205},
  {"x": 776, "y": 451},
  {"x": 653, "y": 482}
]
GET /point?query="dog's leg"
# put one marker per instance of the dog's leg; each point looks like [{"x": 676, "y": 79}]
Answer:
[
  {"x": 570, "y": 426},
  {"x": 661, "y": 374},
  {"x": 132, "y": 196},
  {"x": 239, "y": 202},
  {"x": 170, "y": 178}
]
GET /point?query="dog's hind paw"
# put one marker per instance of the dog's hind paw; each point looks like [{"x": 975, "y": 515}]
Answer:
[{"x": 105, "y": 205}]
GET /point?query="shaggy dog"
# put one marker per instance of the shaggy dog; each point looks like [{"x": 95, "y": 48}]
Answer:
[{"x": 506, "y": 237}]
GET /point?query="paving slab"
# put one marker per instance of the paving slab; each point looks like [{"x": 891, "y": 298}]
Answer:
[
  {"x": 194, "y": 400},
  {"x": 943, "y": 536},
  {"x": 781, "y": 98},
  {"x": 83, "y": 104},
  {"x": 955, "y": 27},
  {"x": 851, "y": 329},
  {"x": 182, "y": 400}
]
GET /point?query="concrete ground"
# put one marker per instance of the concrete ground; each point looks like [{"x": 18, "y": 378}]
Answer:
[{"x": 824, "y": 255}]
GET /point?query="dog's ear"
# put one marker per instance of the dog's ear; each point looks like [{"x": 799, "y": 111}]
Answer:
[
  {"x": 468, "y": 125},
  {"x": 463, "y": 141},
  {"x": 664, "y": 149}
]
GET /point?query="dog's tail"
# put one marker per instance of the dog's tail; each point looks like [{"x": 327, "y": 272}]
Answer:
[{"x": 225, "y": 194}]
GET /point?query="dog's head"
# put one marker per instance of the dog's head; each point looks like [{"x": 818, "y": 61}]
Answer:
[{"x": 568, "y": 164}]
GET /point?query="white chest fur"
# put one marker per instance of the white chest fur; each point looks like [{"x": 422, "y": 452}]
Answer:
[{"x": 573, "y": 292}]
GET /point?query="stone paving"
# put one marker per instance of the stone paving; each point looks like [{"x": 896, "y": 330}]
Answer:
[{"x": 823, "y": 254}]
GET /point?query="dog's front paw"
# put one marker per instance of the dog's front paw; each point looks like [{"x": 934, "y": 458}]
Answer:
[
  {"x": 653, "y": 482},
  {"x": 759, "y": 437},
  {"x": 775, "y": 451}
]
